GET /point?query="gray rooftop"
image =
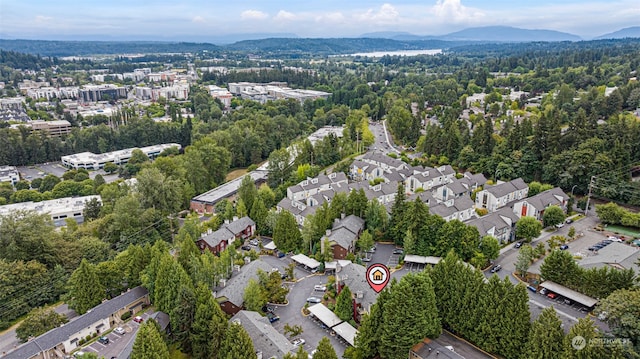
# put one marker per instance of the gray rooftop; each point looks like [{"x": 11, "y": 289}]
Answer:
[
  {"x": 551, "y": 197},
  {"x": 500, "y": 219},
  {"x": 355, "y": 277},
  {"x": 379, "y": 157},
  {"x": 616, "y": 255},
  {"x": 227, "y": 231},
  {"x": 228, "y": 189},
  {"x": 58, "y": 335},
  {"x": 234, "y": 288},
  {"x": 503, "y": 189},
  {"x": 265, "y": 338}
]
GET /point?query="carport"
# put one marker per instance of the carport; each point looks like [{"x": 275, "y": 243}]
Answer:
[
  {"x": 329, "y": 318},
  {"x": 347, "y": 332},
  {"x": 306, "y": 261},
  {"x": 271, "y": 246},
  {"x": 412, "y": 258},
  {"x": 569, "y": 293}
]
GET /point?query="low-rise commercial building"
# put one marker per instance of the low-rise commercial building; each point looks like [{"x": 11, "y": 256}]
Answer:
[
  {"x": 59, "y": 209},
  {"x": 9, "y": 174},
  {"x": 92, "y": 161}
]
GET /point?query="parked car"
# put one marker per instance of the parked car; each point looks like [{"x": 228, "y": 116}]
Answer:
[
  {"x": 279, "y": 254},
  {"x": 272, "y": 317},
  {"x": 531, "y": 288},
  {"x": 560, "y": 225},
  {"x": 371, "y": 250},
  {"x": 298, "y": 342},
  {"x": 253, "y": 242},
  {"x": 518, "y": 245},
  {"x": 138, "y": 319},
  {"x": 320, "y": 287},
  {"x": 564, "y": 247},
  {"x": 614, "y": 239},
  {"x": 552, "y": 295},
  {"x": 496, "y": 268},
  {"x": 568, "y": 221},
  {"x": 366, "y": 259},
  {"x": 119, "y": 330},
  {"x": 103, "y": 340},
  {"x": 398, "y": 251},
  {"x": 246, "y": 247},
  {"x": 79, "y": 354},
  {"x": 314, "y": 300}
]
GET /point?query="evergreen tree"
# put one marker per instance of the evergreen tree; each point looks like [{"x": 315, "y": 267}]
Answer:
[
  {"x": 85, "y": 290},
  {"x": 397, "y": 224},
  {"x": 344, "y": 304},
  {"x": 237, "y": 344},
  {"x": 182, "y": 316},
  {"x": 149, "y": 343},
  {"x": 209, "y": 326},
  {"x": 368, "y": 337},
  {"x": 516, "y": 322},
  {"x": 560, "y": 267},
  {"x": 325, "y": 350},
  {"x": 248, "y": 192},
  {"x": 167, "y": 285},
  {"x": 578, "y": 342},
  {"x": 259, "y": 215},
  {"x": 410, "y": 315},
  {"x": 286, "y": 234},
  {"x": 547, "y": 337},
  {"x": 186, "y": 249}
]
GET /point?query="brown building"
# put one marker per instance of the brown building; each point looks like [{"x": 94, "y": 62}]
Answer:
[
  {"x": 217, "y": 241},
  {"x": 343, "y": 236}
]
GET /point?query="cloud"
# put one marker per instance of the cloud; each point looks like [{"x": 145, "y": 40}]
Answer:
[
  {"x": 42, "y": 19},
  {"x": 453, "y": 10},
  {"x": 198, "y": 19},
  {"x": 387, "y": 13},
  {"x": 285, "y": 15},
  {"x": 332, "y": 17},
  {"x": 253, "y": 15}
]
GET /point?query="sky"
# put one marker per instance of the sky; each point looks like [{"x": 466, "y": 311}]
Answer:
[{"x": 198, "y": 20}]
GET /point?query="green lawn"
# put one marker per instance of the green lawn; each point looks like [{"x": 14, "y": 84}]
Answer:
[{"x": 625, "y": 231}]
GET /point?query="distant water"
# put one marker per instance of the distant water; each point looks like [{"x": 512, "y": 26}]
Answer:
[{"x": 397, "y": 53}]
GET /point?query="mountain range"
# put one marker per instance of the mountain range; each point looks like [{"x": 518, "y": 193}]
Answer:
[{"x": 502, "y": 34}]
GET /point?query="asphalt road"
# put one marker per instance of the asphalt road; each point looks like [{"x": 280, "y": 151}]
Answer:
[
  {"x": 292, "y": 312},
  {"x": 569, "y": 314},
  {"x": 383, "y": 141}
]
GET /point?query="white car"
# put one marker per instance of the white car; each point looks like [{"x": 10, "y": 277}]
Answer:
[
  {"x": 320, "y": 287},
  {"x": 119, "y": 330},
  {"x": 298, "y": 342},
  {"x": 614, "y": 239}
]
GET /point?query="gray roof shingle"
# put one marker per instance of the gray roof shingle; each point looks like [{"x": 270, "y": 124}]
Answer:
[
  {"x": 58, "y": 335},
  {"x": 234, "y": 289},
  {"x": 265, "y": 338}
]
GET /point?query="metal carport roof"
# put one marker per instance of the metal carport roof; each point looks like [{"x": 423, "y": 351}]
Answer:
[
  {"x": 412, "y": 258},
  {"x": 569, "y": 293},
  {"x": 347, "y": 332},
  {"x": 325, "y": 315},
  {"x": 306, "y": 261}
]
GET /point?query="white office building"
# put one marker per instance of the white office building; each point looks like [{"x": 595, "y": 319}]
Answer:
[
  {"x": 59, "y": 209},
  {"x": 9, "y": 174},
  {"x": 92, "y": 161}
]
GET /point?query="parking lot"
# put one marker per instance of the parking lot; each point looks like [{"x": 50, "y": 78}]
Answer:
[
  {"x": 117, "y": 342},
  {"x": 291, "y": 313}
]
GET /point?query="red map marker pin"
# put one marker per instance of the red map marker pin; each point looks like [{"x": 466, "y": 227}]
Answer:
[{"x": 378, "y": 276}]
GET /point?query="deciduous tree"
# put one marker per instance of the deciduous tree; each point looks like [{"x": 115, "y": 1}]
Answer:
[{"x": 528, "y": 228}]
